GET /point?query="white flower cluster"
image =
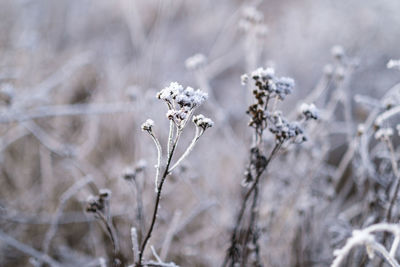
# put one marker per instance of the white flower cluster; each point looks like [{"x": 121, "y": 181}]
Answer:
[
  {"x": 195, "y": 62},
  {"x": 203, "y": 122},
  {"x": 148, "y": 125},
  {"x": 181, "y": 102},
  {"x": 266, "y": 80},
  {"x": 383, "y": 133},
  {"x": 310, "y": 111},
  {"x": 283, "y": 129}
]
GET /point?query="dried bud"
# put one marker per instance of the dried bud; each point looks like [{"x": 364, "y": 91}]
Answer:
[{"x": 148, "y": 125}]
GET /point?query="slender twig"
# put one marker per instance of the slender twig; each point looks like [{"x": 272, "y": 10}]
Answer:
[{"x": 239, "y": 217}]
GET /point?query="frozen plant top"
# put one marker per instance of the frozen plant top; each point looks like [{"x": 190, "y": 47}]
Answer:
[
  {"x": 148, "y": 125},
  {"x": 181, "y": 102},
  {"x": 270, "y": 87}
]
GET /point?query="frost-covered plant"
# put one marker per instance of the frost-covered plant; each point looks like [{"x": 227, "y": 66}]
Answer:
[
  {"x": 268, "y": 91},
  {"x": 366, "y": 238},
  {"x": 181, "y": 103}
]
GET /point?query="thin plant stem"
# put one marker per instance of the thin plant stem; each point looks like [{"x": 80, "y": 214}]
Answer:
[
  {"x": 159, "y": 155},
  {"x": 157, "y": 202},
  {"x": 244, "y": 204}
]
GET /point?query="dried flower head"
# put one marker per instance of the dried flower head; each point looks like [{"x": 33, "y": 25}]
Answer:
[
  {"x": 310, "y": 111},
  {"x": 202, "y": 122},
  {"x": 283, "y": 129},
  {"x": 148, "y": 125},
  {"x": 129, "y": 174},
  {"x": 383, "y": 133}
]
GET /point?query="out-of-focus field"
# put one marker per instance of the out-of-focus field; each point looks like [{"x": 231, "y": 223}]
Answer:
[{"x": 79, "y": 77}]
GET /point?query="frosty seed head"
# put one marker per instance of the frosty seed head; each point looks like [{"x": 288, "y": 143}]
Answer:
[
  {"x": 148, "y": 125},
  {"x": 310, "y": 111},
  {"x": 202, "y": 121},
  {"x": 383, "y": 133}
]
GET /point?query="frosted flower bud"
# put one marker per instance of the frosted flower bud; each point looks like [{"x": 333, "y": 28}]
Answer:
[
  {"x": 284, "y": 86},
  {"x": 148, "y": 125},
  {"x": 337, "y": 51},
  {"x": 195, "y": 62},
  {"x": 202, "y": 121},
  {"x": 267, "y": 73},
  {"x": 393, "y": 64},
  {"x": 360, "y": 129},
  {"x": 129, "y": 174},
  {"x": 170, "y": 92},
  {"x": 310, "y": 111},
  {"x": 383, "y": 133},
  {"x": 328, "y": 70},
  {"x": 105, "y": 193},
  {"x": 244, "y": 79}
]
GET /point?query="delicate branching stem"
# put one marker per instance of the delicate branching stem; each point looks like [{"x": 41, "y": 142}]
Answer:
[
  {"x": 158, "y": 197},
  {"x": 189, "y": 149}
]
